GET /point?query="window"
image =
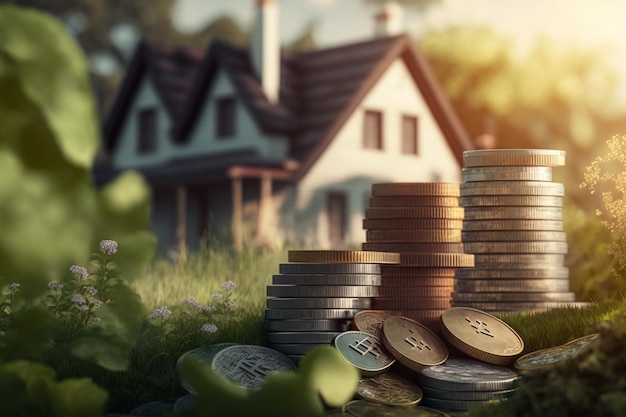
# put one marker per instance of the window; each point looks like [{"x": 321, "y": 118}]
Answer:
[
  {"x": 409, "y": 135},
  {"x": 336, "y": 211},
  {"x": 146, "y": 131},
  {"x": 373, "y": 130},
  {"x": 225, "y": 117}
]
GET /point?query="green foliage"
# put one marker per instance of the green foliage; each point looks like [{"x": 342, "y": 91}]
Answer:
[{"x": 29, "y": 389}]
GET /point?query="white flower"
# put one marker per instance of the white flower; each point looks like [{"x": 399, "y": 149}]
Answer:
[
  {"x": 95, "y": 320},
  {"x": 79, "y": 272},
  {"x": 231, "y": 303},
  {"x": 84, "y": 307},
  {"x": 108, "y": 246},
  {"x": 209, "y": 308},
  {"x": 228, "y": 286},
  {"x": 161, "y": 312},
  {"x": 78, "y": 299},
  {"x": 14, "y": 286},
  {"x": 192, "y": 303},
  {"x": 91, "y": 291},
  {"x": 97, "y": 304},
  {"x": 53, "y": 285},
  {"x": 216, "y": 296},
  {"x": 209, "y": 328}
]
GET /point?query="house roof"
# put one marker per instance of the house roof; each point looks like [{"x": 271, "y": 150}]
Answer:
[{"x": 319, "y": 90}]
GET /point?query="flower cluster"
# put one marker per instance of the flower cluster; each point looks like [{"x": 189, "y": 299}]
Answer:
[{"x": 160, "y": 313}]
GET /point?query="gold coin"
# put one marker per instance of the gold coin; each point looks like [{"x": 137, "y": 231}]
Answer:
[
  {"x": 511, "y": 285},
  {"x": 511, "y": 200},
  {"x": 446, "y": 260},
  {"x": 548, "y": 188},
  {"x": 413, "y": 344},
  {"x": 446, "y": 189},
  {"x": 375, "y": 224},
  {"x": 481, "y": 335},
  {"x": 414, "y": 212},
  {"x": 507, "y": 173},
  {"x": 508, "y": 212},
  {"x": 517, "y": 260},
  {"x": 548, "y": 358},
  {"x": 513, "y": 235},
  {"x": 515, "y": 224},
  {"x": 342, "y": 256},
  {"x": 523, "y": 157},
  {"x": 523, "y": 306},
  {"x": 370, "y": 321},
  {"x": 542, "y": 272},
  {"x": 422, "y": 235},
  {"x": 414, "y": 303},
  {"x": 413, "y": 201},
  {"x": 399, "y": 247},
  {"x": 389, "y": 388},
  {"x": 416, "y": 271},
  {"x": 516, "y": 247},
  {"x": 499, "y": 297}
]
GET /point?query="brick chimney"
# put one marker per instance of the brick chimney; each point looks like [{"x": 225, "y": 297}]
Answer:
[
  {"x": 388, "y": 21},
  {"x": 265, "y": 47}
]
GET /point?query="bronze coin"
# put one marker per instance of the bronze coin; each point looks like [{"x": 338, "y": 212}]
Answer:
[
  {"x": 370, "y": 321},
  {"x": 445, "y": 189},
  {"x": 521, "y": 157},
  {"x": 416, "y": 271},
  {"x": 406, "y": 223},
  {"x": 408, "y": 235},
  {"x": 400, "y": 247},
  {"x": 413, "y": 201},
  {"x": 414, "y": 212},
  {"x": 342, "y": 256}
]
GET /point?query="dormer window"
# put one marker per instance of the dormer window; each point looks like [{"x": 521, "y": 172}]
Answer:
[
  {"x": 410, "y": 135},
  {"x": 225, "y": 117},
  {"x": 146, "y": 126},
  {"x": 373, "y": 129}
]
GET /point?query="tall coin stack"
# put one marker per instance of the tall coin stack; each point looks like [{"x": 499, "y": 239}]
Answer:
[
  {"x": 316, "y": 295},
  {"x": 514, "y": 227},
  {"x": 422, "y": 222}
]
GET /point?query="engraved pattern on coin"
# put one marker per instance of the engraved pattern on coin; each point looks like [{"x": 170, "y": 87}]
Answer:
[
  {"x": 248, "y": 365},
  {"x": 546, "y": 358},
  {"x": 389, "y": 388},
  {"x": 370, "y": 321},
  {"x": 364, "y": 351},
  {"x": 204, "y": 354}
]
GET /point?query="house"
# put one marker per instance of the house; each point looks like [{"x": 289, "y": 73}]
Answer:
[{"x": 270, "y": 146}]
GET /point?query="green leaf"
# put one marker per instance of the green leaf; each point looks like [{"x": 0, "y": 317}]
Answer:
[
  {"x": 13, "y": 393},
  {"x": 78, "y": 397},
  {"x": 330, "y": 374},
  {"x": 286, "y": 394},
  {"x": 28, "y": 336}
]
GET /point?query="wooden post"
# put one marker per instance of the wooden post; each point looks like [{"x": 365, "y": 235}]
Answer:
[
  {"x": 265, "y": 210},
  {"x": 181, "y": 226},
  {"x": 237, "y": 220}
]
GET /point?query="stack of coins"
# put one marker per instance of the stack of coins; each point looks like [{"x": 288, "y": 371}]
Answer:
[
  {"x": 422, "y": 222},
  {"x": 514, "y": 227},
  {"x": 316, "y": 295}
]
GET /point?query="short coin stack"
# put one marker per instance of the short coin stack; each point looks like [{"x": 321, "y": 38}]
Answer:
[
  {"x": 514, "y": 227},
  {"x": 422, "y": 222},
  {"x": 316, "y": 295}
]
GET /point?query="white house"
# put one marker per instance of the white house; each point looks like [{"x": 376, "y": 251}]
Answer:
[{"x": 267, "y": 145}]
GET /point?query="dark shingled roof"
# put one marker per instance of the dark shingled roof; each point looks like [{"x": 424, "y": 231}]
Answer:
[{"x": 319, "y": 90}]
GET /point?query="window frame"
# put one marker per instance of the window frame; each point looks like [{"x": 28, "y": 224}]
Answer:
[
  {"x": 378, "y": 116},
  {"x": 414, "y": 140},
  {"x": 225, "y": 117},
  {"x": 147, "y": 121}
]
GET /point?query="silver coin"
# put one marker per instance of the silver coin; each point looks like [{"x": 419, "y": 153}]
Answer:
[
  {"x": 466, "y": 395},
  {"x": 512, "y": 224},
  {"x": 326, "y": 279},
  {"x": 295, "y": 348},
  {"x": 544, "y": 272},
  {"x": 511, "y": 200},
  {"x": 518, "y": 260},
  {"x": 451, "y": 405},
  {"x": 522, "y": 306},
  {"x": 365, "y": 351},
  {"x": 511, "y": 296},
  {"x": 515, "y": 247},
  {"x": 523, "y": 157},
  {"x": 512, "y": 285},
  {"x": 248, "y": 365},
  {"x": 509, "y": 212},
  {"x": 305, "y": 303},
  {"x": 329, "y": 268},
  {"x": 506, "y": 173},
  {"x": 311, "y": 313},
  {"x": 402, "y": 247},
  {"x": 457, "y": 374},
  {"x": 469, "y": 189},
  {"x": 310, "y": 325},
  {"x": 513, "y": 236},
  {"x": 204, "y": 354},
  {"x": 315, "y": 291},
  {"x": 300, "y": 337},
  {"x": 389, "y": 388},
  {"x": 547, "y": 358}
]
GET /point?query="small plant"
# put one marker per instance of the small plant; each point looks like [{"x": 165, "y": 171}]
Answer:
[
  {"x": 7, "y": 299},
  {"x": 607, "y": 175}
]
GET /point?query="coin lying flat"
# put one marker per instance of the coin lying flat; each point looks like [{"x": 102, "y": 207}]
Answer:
[
  {"x": 307, "y": 325},
  {"x": 509, "y": 212},
  {"x": 416, "y": 223},
  {"x": 315, "y": 303},
  {"x": 415, "y": 292},
  {"x": 522, "y": 306},
  {"x": 481, "y": 335},
  {"x": 466, "y": 395},
  {"x": 414, "y": 303},
  {"x": 511, "y": 200},
  {"x": 414, "y": 201},
  {"x": 458, "y": 374},
  {"x": 416, "y": 235},
  {"x": 300, "y": 337},
  {"x": 248, "y": 365},
  {"x": 547, "y": 358},
  {"x": 310, "y": 313},
  {"x": 501, "y": 297},
  {"x": 516, "y": 247},
  {"x": 544, "y": 272},
  {"x": 370, "y": 321},
  {"x": 389, "y": 388},
  {"x": 395, "y": 282},
  {"x": 511, "y": 285},
  {"x": 512, "y": 224},
  {"x": 506, "y": 173},
  {"x": 414, "y": 212},
  {"x": 404, "y": 271},
  {"x": 327, "y": 279},
  {"x": 513, "y": 236},
  {"x": 329, "y": 268},
  {"x": 518, "y": 260},
  {"x": 400, "y": 247},
  {"x": 469, "y": 189},
  {"x": 412, "y": 344},
  {"x": 362, "y": 408},
  {"x": 204, "y": 354},
  {"x": 364, "y": 351},
  {"x": 445, "y": 189},
  {"x": 523, "y": 157},
  {"x": 445, "y": 260},
  {"x": 314, "y": 291},
  {"x": 342, "y": 256}
]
